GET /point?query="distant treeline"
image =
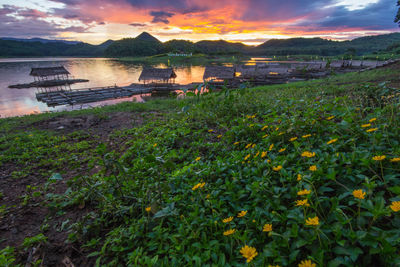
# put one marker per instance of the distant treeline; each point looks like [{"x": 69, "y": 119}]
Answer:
[{"x": 147, "y": 45}]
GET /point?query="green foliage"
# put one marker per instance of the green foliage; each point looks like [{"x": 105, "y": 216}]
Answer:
[
  {"x": 7, "y": 257},
  {"x": 34, "y": 241}
]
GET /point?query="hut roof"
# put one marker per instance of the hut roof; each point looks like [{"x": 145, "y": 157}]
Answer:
[
  {"x": 219, "y": 72},
  {"x": 157, "y": 74},
  {"x": 51, "y": 71}
]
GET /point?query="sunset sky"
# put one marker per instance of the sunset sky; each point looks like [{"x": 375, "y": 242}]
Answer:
[{"x": 248, "y": 21}]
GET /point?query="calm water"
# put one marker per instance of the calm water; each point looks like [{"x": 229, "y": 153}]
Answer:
[{"x": 99, "y": 72}]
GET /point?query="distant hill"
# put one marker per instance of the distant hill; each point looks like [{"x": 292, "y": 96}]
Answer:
[
  {"x": 143, "y": 45},
  {"x": 11, "y": 48},
  {"x": 41, "y": 40},
  {"x": 221, "y": 47},
  {"x": 147, "y": 45},
  {"x": 319, "y": 46}
]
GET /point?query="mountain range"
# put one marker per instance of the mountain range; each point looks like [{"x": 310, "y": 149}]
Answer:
[{"x": 147, "y": 45}]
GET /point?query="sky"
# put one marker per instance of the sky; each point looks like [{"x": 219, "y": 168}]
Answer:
[{"x": 248, "y": 21}]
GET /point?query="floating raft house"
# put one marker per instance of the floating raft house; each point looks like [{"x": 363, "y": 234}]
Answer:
[
  {"x": 50, "y": 73},
  {"x": 157, "y": 76},
  {"x": 220, "y": 73}
]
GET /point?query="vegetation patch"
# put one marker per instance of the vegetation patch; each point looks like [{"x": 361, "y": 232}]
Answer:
[{"x": 303, "y": 174}]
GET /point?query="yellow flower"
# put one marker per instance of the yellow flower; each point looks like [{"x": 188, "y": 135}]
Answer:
[
  {"x": 248, "y": 252},
  {"x": 247, "y": 157},
  {"x": 303, "y": 192},
  {"x": 282, "y": 150},
  {"x": 256, "y": 155},
  {"x": 313, "y": 168},
  {"x": 359, "y": 193},
  {"x": 253, "y": 146},
  {"x": 329, "y": 118},
  {"x": 312, "y": 221},
  {"x": 395, "y": 160},
  {"x": 331, "y": 141},
  {"x": 248, "y": 145},
  {"x": 395, "y": 206},
  {"x": 298, "y": 177},
  {"x": 271, "y": 147},
  {"x": 277, "y": 128},
  {"x": 267, "y": 227},
  {"x": 277, "y": 168},
  {"x": 293, "y": 139},
  {"x": 242, "y": 213},
  {"x": 379, "y": 158},
  {"x": 306, "y": 136},
  {"x": 197, "y": 186},
  {"x": 308, "y": 154},
  {"x": 307, "y": 263},
  {"x": 366, "y": 125},
  {"x": 281, "y": 133},
  {"x": 211, "y": 130},
  {"x": 265, "y": 136},
  {"x": 372, "y": 120},
  {"x": 154, "y": 145},
  {"x": 302, "y": 203},
  {"x": 236, "y": 143},
  {"x": 227, "y": 220},
  {"x": 198, "y": 158},
  {"x": 265, "y": 127},
  {"x": 269, "y": 161},
  {"x": 219, "y": 136},
  {"x": 264, "y": 154},
  {"x": 148, "y": 209},
  {"x": 372, "y": 130},
  {"x": 230, "y": 232}
]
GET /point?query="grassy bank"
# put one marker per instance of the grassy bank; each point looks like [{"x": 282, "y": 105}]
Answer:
[
  {"x": 270, "y": 175},
  {"x": 196, "y": 59}
]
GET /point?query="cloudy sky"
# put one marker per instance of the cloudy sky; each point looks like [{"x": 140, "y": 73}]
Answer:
[{"x": 248, "y": 21}]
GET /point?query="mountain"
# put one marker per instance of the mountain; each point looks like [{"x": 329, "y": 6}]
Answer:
[
  {"x": 147, "y": 45},
  {"x": 147, "y": 37},
  {"x": 142, "y": 45},
  {"x": 41, "y": 40},
  {"x": 179, "y": 46},
  {"x": 13, "y": 48},
  {"x": 319, "y": 46},
  {"x": 220, "y": 47}
]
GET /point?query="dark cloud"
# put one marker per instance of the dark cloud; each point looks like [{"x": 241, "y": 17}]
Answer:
[
  {"x": 278, "y": 10},
  {"x": 161, "y": 16},
  {"x": 24, "y": 23},
  {"x": 138, "y": 24},
  {"x": 374, "y": 17}
]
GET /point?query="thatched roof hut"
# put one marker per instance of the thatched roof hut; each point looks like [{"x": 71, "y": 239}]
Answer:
[
  {"x": 55, "y": 73},
  {"x": 157, "y": 75},
  {"x": 256, "y": 72},
  {"x": 219, "y": 73},
  {"x": 51, "y": 71}
]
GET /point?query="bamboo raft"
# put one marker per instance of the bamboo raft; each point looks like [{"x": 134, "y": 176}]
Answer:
[
  {"x": 47, "y": 83},
  {"x": 89, "y": 95}
]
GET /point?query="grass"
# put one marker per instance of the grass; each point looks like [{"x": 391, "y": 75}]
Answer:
[{"x": 283, "y": 175}]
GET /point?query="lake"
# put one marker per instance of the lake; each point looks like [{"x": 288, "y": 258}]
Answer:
[{"x": 99, "y": 71}]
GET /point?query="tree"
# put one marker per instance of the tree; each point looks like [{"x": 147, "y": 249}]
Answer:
[{"x": 397, "y": 19}]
